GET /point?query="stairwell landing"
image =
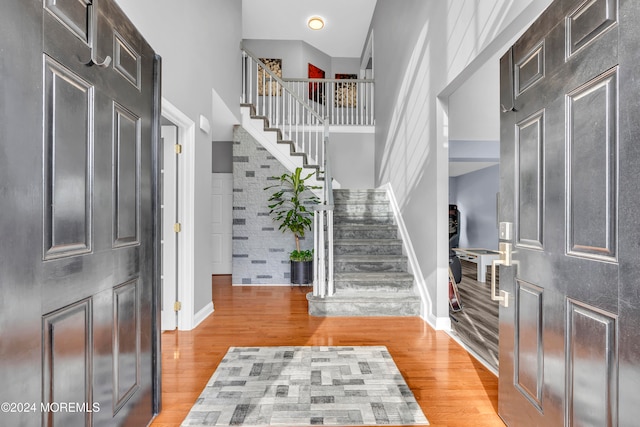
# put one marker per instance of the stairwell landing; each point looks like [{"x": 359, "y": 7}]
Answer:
[{"x": 371, "y": 275}]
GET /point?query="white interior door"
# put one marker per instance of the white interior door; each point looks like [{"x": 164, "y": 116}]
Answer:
[
  {"x": 221, "y": 222},
  {"x": 169, "y": 239}
]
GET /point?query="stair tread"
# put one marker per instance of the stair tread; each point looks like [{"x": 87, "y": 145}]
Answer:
[
  {"x": 366, "y": 241},
  {"x": 360, "y": 202},
  {"x": 371, "y": 275},
  {"x": 368, "y": 213},
  {"x": 368, "y": 258},
  {"x": 345, "y": 296},
  {"x": 359, "y": 191},
  {"x": 361, "y": 226}
]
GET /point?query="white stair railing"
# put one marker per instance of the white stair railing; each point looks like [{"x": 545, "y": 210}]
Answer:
[
  {"x": 343, "y": 101},
  {"x": 284, "y": 109},
  {"x": 323, "y": 233},
  {"x": 297, "y": 122}
]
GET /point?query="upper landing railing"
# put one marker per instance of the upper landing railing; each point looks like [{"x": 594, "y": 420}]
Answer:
[
  {"x": 344, "y": 102},
  {"x": 285, "y": 110}
]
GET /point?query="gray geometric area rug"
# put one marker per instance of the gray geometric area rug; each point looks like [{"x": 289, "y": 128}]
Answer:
[{"x": 305, "y": 386}]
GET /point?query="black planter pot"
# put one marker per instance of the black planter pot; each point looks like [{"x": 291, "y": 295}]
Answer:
[{"x": 301, "y": 272}]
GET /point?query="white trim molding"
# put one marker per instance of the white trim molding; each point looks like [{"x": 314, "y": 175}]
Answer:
[
  {"x": 202, "y": 314},
  {"x": 426, "y": 308},
  {"x": 186, "y": 213}
]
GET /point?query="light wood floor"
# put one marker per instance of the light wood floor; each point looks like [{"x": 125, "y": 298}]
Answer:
[
  {"x": 477, "y": 324},
  {"x": 452, "y": 388}
]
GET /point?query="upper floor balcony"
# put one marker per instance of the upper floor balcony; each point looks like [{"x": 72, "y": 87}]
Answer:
[{"x": 343, "y": 101}]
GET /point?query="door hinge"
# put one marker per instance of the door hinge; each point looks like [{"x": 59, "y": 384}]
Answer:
[
  {"x": 178, "y": 148},
  {"x": 177, "y": 306},
  {"x": 177, "y": 227}
]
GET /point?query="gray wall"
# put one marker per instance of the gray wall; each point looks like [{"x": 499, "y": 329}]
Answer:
[
  {"x": 345, "y": 66},
  {"x": 222, "y": 157},
  {"x": 260, "y": 250},
  {"x": 474, "y": 108},
  {"x": 475, "y": 195},
  {"x": 453, "y": 189},
  {"x": 194, "y": 38},
  {"x": 352, "y": 159},
  {"x": 351, "y": 156},
  {"x": 295, "y": 55}
]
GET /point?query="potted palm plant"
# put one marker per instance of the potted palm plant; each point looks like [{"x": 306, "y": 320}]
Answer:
[{"x": 289, "y": 207}]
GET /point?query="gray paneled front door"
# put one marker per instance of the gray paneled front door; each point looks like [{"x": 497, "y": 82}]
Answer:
[
  {"x": 77, "y": 258},
  {"x": 569, "y": 186}
]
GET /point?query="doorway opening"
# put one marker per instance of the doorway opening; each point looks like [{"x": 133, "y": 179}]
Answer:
[{"x": 472, "y": 123}]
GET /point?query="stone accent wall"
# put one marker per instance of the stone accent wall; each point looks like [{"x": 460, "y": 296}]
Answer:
[{"x": 260, "y": 250}]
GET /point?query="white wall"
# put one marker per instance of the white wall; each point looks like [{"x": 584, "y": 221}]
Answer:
[
  {"x": 199, "y": 44},
  {"x": 295, "y": 55},
  {"x": 475, "y": 196},
  {"x": 344, "y": 66},
  {"x": 352, "y": 159},
  {"x": 474, "y": 108},
  {"x": 423, "y": 51}
]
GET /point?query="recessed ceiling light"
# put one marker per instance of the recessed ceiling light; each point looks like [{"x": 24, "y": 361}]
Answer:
[{"x": 315, "y": 23}]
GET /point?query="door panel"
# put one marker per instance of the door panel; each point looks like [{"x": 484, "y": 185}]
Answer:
[
  {"x": 592, "y": 168},
  {"x": 67, "y": 355},
  {"x": 76, "y": 169},
  {"x": 530, "y": 69},
  {"x": 73, "y": 14},
  {"x": 591, "y": 366},
  {"x": 68, "y": 111},
  {"x": 126, "y": 60},
  {"x": 528, "y": 359},
  {"x": 126, "y": 343},
  {"x": 530, "y": 181},
  {"x": 569, "y": 184},
  {"x": 126, "y": 173},
  {"x": 588, "y": 21}
]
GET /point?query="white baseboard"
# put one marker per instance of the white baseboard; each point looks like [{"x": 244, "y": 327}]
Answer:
[
  {"x": 440, "y": 323},
  {"x": 202, "y": 314}
]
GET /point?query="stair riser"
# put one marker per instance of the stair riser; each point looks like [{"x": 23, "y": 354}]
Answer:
[
  {"x": 379, "y": 219},
  {"x": 365, "y": 233},
  {"x": 370, "y": 208},
  {"x": 328, "y": 309},
  {"x": 359, "y": 196},
  {"x": 367, "y": 250},
  {"x": 370, "y": 267},
  {"x": 364, "y": 286}
]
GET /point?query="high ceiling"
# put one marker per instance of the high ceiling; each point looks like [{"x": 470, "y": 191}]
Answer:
[{"x": 346, "y": 23}]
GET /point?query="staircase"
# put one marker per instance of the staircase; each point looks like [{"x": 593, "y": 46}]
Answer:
[
  {"x": 284, "y": 150},
  {"x": 366, "y": 274},
  {"x": 370, "y": 270}
]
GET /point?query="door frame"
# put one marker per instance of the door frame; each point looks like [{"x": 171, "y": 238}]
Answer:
[{"x": 186, "y": 209}]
